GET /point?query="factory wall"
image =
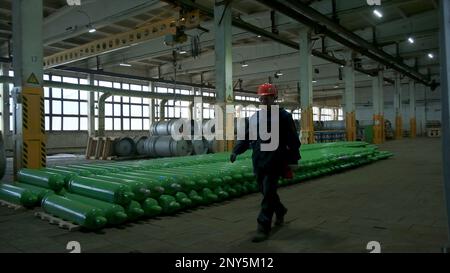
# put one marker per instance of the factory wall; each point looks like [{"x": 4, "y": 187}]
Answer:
[
  {"x": 424, "y": 96},
  {"x": 76, "y": 141}
]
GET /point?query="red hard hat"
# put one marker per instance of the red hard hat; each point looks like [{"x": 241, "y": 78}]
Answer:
[{"x": 267, "y": 89}]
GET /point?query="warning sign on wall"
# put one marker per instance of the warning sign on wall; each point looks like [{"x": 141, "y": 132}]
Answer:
[{"x": 32, "y": 79}]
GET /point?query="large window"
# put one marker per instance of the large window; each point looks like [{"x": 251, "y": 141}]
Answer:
[{"x": 67, "y": 109}]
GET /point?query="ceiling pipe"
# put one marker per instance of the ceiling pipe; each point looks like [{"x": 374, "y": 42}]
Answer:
[
  {"x": 239, "y": 23},
  {"x": 316, "y": 20}
]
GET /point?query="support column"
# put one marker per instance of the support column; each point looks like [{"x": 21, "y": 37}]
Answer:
[
  {"x": 29, "y": 114},
  {"x": 412, "y": 110},
  {"x": 381, "y": 110},
  {"x": 445, "y": 79},
  {"x": 349, "y": 98},
  {"x": 4, "y": 104},
  {"x": 398, "y": 107},
  {"x": 306, "y": 90},
  {"x": 378, "y": 118},
  {"x": 91, "y": 108},
  {"x": 224, "y": 73},
  {"x": 151, "y": 106},
  {"x": 162, "y": 110}
]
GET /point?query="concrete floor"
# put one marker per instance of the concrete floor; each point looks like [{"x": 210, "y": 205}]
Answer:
[{"x": 398, "y": 202}]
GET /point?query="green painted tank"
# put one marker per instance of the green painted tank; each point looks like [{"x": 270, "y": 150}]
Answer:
[
  {"x": 221, "y": 193},
  {"x": 209, "y": 196},
  {"x": 74, "y": 211},
  {"x": 187, "y": 183},
  {"x": 80, "y": 172},
  {"x": 169, "y": 181},
  {"x": 183, "y": 199},
  {"x": 41, "y": 179},
  {"x": 139, "y": 189},
  {"x": 134, "y": 210},
  {"x": 93, "y": 170},
  {"x": 151, "y": 207},
  {"x": 38, "y": 191},
  {"x": 196, "y": 198},
  {"x": 18, "y": 195},
  {"x": 115, "y": 214},
  {"x": 169, "y": 204},
  {"x": 67, "y": 175},
  {"x": 102, "y": 190},
  {"x": 154, "y": 186}
]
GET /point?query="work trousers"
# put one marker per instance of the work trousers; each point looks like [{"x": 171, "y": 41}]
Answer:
[{"x": 268, "y": 184}]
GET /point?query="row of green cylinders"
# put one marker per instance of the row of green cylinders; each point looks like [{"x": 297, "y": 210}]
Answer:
[{"x": 97, "y": 195}]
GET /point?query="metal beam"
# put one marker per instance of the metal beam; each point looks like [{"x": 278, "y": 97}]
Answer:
[
  {"x": 70, "y": 21},
  {"x": 122, "y": 40},
  {"x": 314, "y": 19},
  {"x": 445, "y": 78}
]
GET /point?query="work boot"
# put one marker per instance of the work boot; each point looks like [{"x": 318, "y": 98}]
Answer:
[
  {"x": 279, "y": 221},
  {"x": 262, "y": 234}
]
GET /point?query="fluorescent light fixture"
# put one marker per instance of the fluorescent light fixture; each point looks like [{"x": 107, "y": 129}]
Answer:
[
  {"x": 92, "y": 30},
  {"x": 431, "y": 55},
  {"x": 279, "y": 74},
  {"x": 125, "y": 64},
  {"x": 378, "y": 13},
  {"x": 182, "y": 52},
  {"x": 411, "y": 40},
  {"x": 244, "y": 64},
  {"x": 314, "y": 81}
]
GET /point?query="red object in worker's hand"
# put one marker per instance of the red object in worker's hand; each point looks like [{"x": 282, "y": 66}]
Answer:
[{"x": 288, "y": 174}]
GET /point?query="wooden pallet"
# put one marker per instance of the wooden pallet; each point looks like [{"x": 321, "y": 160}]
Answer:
[
  {"x": 11, "y": 205},
  {"x": 57, "y": 221},
  {"x": 100, "y": 148}
]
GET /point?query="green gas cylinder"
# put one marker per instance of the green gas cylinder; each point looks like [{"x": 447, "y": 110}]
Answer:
[
  {"x": 151, "y": 207},
  {"x": 134, "y": 210},
  {"x": 196, "y": 198},
  {"x": 115, "y": 214},
  {"x": 67, "y": 175},
  {"x": 221, "y": 193},
  {"x": 80, "y": 172},
  {"x": 41, "y": 179},
  {"x": 209, "y": 196},
  {"x": 18, "y": 195},
  {"x": 99, "y": 189},
  {"x": 38, "y": 191},
  {"x": 183, "y": 199},
  {"x": 154, "y": 186},
  {"x": 169, "y": 204},
  {"x": 74, "y": 211},
  {"x": 139, "y": 189}
]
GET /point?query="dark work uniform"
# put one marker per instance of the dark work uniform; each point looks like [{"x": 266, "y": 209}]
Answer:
[{"x": 268, "y": 166}]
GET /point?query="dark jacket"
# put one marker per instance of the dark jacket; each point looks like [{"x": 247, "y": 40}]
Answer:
[{"x": 287, "y": 153}]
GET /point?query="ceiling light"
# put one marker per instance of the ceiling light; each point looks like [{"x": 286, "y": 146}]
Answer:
[
  {"x": 314, "y": 81},
  {"x": 411, "y": 40},
  {"x": 279, "y": 74},
  {"x": 92, "y": 30},
  {"x": 244, "y": 64},
  {"x": 431, "y": 55},
  {"x": 259, "y": 36},
  {"x": 336, "y": 86},
  {"x": 125, "y": 64},
  {"x": 182, "y": 52},
  {"x": 378, "y": 13}
]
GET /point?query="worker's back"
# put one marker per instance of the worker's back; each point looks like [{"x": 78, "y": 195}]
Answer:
[{"x": 285, "y": 149}]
